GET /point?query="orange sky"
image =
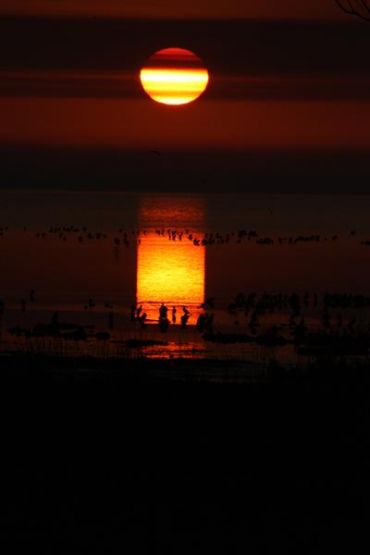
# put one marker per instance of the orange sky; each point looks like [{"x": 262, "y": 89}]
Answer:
[
  {"x": 305, "y": 9},
  {"x": 273, "y": 85}
]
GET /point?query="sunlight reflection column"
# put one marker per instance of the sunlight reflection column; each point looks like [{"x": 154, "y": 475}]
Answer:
[{"x": 171, "y": 271}]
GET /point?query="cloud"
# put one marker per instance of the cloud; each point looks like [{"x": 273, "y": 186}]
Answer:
[
  {"x": 279, "y": 60},
  {"x": 121, "y": 85},
  {"x": 233, "y": 47},
  {"x": 252, "y": 170}
]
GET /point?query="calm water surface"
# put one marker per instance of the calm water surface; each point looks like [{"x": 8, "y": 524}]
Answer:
[{"x": 91, "y": 256}]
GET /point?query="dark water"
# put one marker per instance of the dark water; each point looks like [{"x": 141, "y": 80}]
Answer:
[
  {"x": 87, "y": 255},
  {"x": 111, "y": 462}
]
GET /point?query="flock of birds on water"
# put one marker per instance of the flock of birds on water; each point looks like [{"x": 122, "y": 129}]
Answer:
[
  {"x": 338, "y": 331},
  {"x": 125, "y": 238},
  {"x": 247, "y": 311}
]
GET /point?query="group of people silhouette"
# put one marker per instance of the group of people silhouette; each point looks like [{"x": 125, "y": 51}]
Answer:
[
  {"x": 169, "y": 316},
  {"x": 164, "y": 321},
  {"x": 137, "y": 314}
]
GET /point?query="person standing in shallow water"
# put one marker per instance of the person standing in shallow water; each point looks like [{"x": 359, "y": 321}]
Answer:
[
  {"x": 174, "y": 315},
  {"x": 163, "y": 310},
  {"x": 163, "y": 321},
  {"x": 184, "y": 317}
]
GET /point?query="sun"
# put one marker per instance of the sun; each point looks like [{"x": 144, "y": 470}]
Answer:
[{"x": 174, "y": 76}]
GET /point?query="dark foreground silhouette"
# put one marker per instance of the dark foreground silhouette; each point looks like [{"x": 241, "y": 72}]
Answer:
[{"x": 123, "y": 458}]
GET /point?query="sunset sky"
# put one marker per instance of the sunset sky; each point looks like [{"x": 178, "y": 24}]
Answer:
[
  {"x": 289, "y": 95},
  {"x": 174, "y": 9}
]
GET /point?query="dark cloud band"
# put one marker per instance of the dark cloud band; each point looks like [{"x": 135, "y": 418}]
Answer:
[
  {"x": 226, "y": 47},
  {"x": 116, "y": 84}
]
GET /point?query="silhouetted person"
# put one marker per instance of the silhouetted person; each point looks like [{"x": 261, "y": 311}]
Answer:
[
  {"x": 142, "y": 319},
  {"x": 163, "y": 324},
  {"x": 163, "y": 310},
  {"x": 201, "y": 322},
  {"x": 133, "y": 313},
  {"x": 163, "y": 321},
  {"x": 184, "y": 317},
  {"x": 174, "y": 315}
]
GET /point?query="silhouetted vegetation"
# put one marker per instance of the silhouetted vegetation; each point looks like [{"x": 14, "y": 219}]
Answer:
[{"x": 358, "y": 8}]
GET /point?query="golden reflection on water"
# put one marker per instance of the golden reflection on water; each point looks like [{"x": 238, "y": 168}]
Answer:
[{"x": 170, "y": 271}]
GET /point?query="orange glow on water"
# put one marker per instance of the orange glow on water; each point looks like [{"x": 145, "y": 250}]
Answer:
[
  {"x": 174, "y": 76},
  {"x": 172, "y": 272}
]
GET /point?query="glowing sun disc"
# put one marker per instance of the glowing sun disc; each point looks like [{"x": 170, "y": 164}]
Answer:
[{"x": 174, "y": 76}]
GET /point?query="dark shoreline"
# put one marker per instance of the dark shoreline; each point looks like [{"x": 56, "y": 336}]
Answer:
[
  {"x": 134, "y": 371},
  {"x": 107, "y": 461}
]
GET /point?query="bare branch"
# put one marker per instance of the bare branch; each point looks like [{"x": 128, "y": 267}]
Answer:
[{"x": 359, "y": 8}]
